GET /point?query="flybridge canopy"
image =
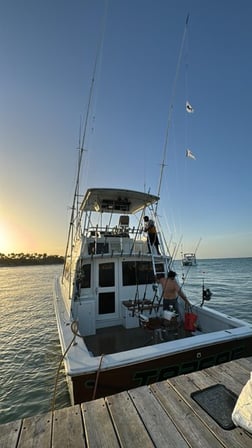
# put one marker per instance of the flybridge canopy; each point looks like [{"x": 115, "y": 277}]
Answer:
[{"x": 112, "y": 200}]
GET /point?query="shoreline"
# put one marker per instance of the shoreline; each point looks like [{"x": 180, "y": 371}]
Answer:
[{"x": 31, "y": 261}]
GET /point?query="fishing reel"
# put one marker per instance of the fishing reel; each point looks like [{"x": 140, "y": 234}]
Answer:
[
  {"x": 155, "y": 287},
  {"x": 206, "y": 294}
]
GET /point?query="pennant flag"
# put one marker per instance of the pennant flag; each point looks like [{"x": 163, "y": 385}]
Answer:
[
  {"x": 190, "y": 154},
  {"x": 189, "y": 108}
]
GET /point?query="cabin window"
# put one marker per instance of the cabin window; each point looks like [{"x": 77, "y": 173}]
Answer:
[
  {"x": 140, "y": 272},
  {"x": 106, "y": 302},
  {"x": 106, "y": 274},
  {"x": 86, "y": 276},
  {"x": 102, "y": 248},
  {"x": 98, "y": 248},
  {"x": 160, "y": 268}
]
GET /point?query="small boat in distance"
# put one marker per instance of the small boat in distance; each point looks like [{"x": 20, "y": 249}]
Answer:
[{"x": 189, "y": 259}]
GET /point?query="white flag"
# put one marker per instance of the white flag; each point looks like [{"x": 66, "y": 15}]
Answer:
[
  {"x": 189, "y": 108},
  {"x": 190, "y": 154}
]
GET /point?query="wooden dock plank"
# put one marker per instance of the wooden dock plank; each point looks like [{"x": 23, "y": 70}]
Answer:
[
  {"x": 36, "y": 431},
  {"x": 127, "y": 422},
  {"x": 185, "y": 385},
  {"x": 68, "y": 427},
  {"x": 246, "y": 363},
  {"x": 9, "y": 434},
  {"x": 98, "y": 426},
  {"x": 160, "y": 428},
  {"x": 232, "y": 376},
  {"x": 160, "y": 415},
  {"x": 186, "y": 422}
]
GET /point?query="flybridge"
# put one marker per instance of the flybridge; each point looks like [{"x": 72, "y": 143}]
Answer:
[{"x": 116, "y": 200}]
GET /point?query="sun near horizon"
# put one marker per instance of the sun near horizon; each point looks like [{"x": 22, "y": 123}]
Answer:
[{"x": 15, "y": 241}]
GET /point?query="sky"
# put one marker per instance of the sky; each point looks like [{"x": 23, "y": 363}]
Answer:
[{"x": 148, "y": 66}]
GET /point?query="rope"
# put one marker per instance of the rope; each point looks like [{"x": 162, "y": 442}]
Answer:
[
  {"x": 74, "y": 328},
  {"x": 97, "y": 377}
]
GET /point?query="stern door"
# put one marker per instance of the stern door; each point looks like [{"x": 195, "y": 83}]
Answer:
[{"x": 107, "y": 297}]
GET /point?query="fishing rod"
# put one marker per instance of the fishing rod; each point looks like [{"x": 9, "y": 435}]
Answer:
[
  {"x": 189, "y": 267},
  {"x": 174, "y": 255},
  {"x": 184, "y": 277}
]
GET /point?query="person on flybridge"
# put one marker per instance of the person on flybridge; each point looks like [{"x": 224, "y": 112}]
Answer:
[{"x": 152, "y": 238}]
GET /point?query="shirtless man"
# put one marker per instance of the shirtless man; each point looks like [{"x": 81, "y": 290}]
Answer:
[{"x": 171, "y": 291}]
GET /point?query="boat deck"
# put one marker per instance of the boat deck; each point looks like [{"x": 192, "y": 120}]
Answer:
[
  {"x": 160, "y": 415},
  {"x": 118, "y": 338}
]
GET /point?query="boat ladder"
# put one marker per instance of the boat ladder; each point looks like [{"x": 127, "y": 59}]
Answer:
[{"x": 157, "y": 260}]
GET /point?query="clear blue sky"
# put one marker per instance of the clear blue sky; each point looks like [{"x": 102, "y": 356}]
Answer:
[{"x": 47, "y": 52}]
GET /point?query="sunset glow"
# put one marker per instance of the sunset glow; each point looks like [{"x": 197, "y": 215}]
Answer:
[
  {"x": 4, "y": 240},
  {"x": 14, "y": 239},
  {"x": 138, "y": 99}
]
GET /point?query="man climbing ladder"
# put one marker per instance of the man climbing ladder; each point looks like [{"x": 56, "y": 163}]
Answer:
[{"x": 152, "y": 238}]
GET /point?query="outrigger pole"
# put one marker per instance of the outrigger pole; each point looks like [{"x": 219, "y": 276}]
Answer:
[
  {"x": 171, "y": 110},
  {"x": 75, "y": 205},
  {"x": 75, "y": 208}
]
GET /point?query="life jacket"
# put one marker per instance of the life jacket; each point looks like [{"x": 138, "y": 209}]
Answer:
[{"x": 151, "y": 227}]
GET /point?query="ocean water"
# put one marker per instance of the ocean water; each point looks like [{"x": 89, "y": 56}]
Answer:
[
  {"x": 30, "y": 350},
  {"x": 29, "y": 345},
  {"x": 230, "y": 281}
]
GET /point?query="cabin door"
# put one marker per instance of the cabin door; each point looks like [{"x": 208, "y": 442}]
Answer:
[{"x": 107, "y": 293}]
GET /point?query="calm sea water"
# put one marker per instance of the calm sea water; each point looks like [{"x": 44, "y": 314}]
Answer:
[{"x": 30, "y": 350}]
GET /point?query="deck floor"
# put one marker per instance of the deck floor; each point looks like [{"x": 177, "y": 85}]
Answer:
[
  {"x": 118, "y": 338},
  {"x": 160, "y": 415}
]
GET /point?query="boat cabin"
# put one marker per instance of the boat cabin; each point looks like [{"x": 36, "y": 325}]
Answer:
[{"x": 110, "y": 263}]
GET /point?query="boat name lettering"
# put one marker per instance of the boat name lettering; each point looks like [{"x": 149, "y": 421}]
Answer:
[{"x": 145, "y": 377}]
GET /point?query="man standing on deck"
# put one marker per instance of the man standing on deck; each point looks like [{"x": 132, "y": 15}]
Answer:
[{"x": 171, "y": 291}]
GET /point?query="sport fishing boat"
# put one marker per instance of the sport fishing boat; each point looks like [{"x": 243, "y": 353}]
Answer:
[
  {"x": 113, "y": 331},
  {"x": 189, "y": 259}
]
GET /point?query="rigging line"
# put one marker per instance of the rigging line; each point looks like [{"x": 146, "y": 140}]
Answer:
[
  {"x": 186, "y": 92},
  {"x": 171, "y": 108}
]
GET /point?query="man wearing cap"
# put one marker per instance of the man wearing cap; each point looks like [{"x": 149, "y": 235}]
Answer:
[{"x": 171, "y": 291}]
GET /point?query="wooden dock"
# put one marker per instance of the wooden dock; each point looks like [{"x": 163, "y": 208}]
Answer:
[{"x": 160, "y": 415}]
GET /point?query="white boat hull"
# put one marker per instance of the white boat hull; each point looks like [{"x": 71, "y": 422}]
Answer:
[{"x": 223, "y": 338}]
